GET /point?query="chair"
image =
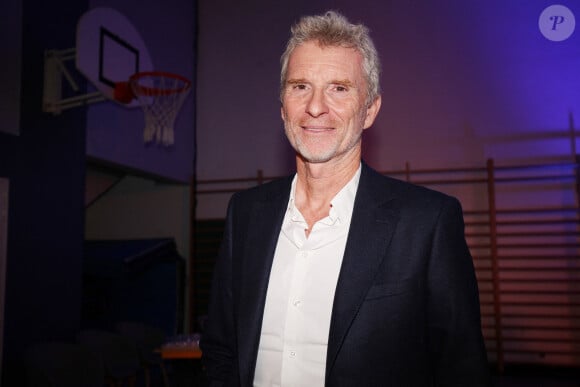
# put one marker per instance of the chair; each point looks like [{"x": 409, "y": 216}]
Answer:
[
  {"x": 62, "y": 364},
  {"x": 148, "y": 340},
  {"x": 118, "y": 354}
]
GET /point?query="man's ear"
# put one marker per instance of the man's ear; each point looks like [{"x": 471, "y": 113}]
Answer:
[{"x": 372, "y": 112}]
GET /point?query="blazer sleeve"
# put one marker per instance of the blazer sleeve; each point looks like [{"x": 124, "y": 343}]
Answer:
[
  {"x": 456, "y": 345},
  {"x": 218, "y": 342}
]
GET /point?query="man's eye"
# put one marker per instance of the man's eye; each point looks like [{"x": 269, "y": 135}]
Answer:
[
  {"x": 340, "y": 88},
  {"x": 299, "y": 87}
]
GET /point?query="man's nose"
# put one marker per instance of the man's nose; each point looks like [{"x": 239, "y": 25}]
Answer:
[{"x": 317, "y": 104}]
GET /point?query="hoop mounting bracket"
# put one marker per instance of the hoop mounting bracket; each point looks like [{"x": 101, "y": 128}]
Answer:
[{"x": 54, "y": 71}]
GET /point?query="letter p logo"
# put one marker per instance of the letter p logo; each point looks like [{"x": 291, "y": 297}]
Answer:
[{"x": 556, "y": 23}]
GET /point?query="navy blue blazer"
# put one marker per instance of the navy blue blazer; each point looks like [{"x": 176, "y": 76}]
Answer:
[{"x": 406, "y": 308}]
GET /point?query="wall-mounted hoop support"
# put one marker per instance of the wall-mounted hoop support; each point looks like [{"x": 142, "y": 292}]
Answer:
[{"x": 54, "y": 71}]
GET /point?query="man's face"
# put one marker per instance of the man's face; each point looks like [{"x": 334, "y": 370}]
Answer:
[{"x": 323, "y": 102}]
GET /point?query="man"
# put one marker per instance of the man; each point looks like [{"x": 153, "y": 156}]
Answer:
[{"x": 339, "y": 276}]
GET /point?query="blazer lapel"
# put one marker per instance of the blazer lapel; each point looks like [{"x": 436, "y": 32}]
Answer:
[
  {"x": 372, "y": 225},
  {"x": 262, "y": 236}
]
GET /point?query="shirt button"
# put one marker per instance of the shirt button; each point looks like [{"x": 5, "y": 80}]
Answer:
[
  {"x": 296, "y": 303},
  {"x": 292, "y": 353}
]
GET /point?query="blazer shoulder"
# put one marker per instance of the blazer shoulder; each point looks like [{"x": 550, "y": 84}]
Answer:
[
  {"x": 403, "y": 191},
  {"x": 269, "y": 191}
]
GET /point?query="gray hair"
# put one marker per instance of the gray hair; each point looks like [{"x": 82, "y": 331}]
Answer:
[{"x": 333, "y": 29}]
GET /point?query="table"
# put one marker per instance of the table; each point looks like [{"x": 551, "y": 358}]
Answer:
[
  {"x": 185, "y": 363},
  {"x": 180, "y": 351}
]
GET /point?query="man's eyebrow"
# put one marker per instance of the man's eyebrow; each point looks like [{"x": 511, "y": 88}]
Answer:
[
  {"x": 296, "y": 81},
  {"x": 344, "y": 82}
]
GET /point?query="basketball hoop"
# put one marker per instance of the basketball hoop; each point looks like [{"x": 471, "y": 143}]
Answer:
[{"x": 160, "y": 95}]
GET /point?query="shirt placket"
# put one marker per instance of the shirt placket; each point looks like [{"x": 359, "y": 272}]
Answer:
[{"x": 292, "y": 352}]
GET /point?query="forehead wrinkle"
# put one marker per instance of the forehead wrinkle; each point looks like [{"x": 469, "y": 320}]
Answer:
[{"x": 310, "y": 63}]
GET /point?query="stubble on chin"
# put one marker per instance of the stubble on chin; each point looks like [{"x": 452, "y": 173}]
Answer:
[
  {"x": 304, "y": 151},
  {"x": 317, "y": 152}
]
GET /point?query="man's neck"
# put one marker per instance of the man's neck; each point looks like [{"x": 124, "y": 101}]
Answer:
[{"x": 318, "y": 183}]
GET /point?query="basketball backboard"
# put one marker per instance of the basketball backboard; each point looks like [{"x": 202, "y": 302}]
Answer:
[{"x": 109, "y": 49}]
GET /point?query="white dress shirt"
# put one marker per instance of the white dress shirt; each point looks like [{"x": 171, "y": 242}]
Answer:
[{"x": 296, "y": 321}]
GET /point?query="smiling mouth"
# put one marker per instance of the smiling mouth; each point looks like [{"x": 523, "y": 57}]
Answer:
[{"x": 317, "y": 129}]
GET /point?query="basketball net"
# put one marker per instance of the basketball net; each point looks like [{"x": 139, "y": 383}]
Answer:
[{"x": 160, "y": 96}]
